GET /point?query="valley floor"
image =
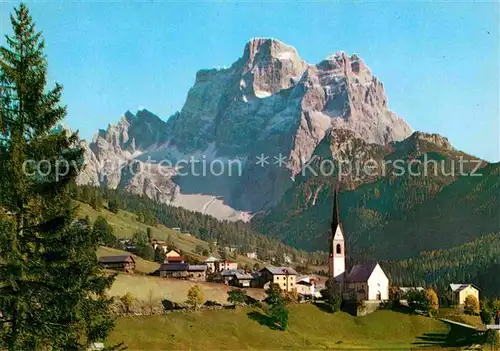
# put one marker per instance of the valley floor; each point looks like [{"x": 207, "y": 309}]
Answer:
[{"x": 309, "y": 328}]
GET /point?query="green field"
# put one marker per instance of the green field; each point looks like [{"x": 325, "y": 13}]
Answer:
[{"x": 309, "y": 328}]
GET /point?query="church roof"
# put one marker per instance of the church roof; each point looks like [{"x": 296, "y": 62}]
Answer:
[
  {"x": 460, "y": 287},
  {"x": 361, "y": 272}
]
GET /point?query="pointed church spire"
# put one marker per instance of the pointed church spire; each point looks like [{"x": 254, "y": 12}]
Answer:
[
  {"x": 337, "y": 243},
  {"x": 336, "y": 209}
]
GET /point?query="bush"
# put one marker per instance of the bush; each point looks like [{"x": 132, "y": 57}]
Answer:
[
  {"x": 485, "y": 317},
  {"x": 237, "y": 297},
  {"x": 195, "y": 297},
  {"x": 127, "y": 301},
  {"x": 113, "y": 205},
  {"x": 471, "y": 305},
  {"x": 332, "y": 295},
  {"x": 432, "y": 301},
  {"x": 278, "y": 315},
  {"x": 210, "y": 303},
  {"x": 274, "y": 295}
]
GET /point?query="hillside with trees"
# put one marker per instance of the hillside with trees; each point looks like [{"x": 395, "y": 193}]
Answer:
[
  {"x": 393, "y": 209},
  {"x": 207, "y": 228},
  {"x": 473, "y": 262}
]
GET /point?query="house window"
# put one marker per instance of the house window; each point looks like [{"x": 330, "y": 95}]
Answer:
[{"x": 339, "y": 249}]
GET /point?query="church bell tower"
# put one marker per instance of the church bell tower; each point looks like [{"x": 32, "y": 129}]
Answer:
[{"x": 337, "y": 245}]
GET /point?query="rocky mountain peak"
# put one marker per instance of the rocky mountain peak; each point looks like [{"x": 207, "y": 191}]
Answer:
[
  {"x": 269, "y": 101},
  {"x": 264, "y": 49},
  {"x": 436, "y": 139},
  {"x": 268, "y": 66}
]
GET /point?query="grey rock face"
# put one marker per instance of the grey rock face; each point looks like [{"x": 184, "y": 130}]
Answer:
[{"x": 269, "y": 102}]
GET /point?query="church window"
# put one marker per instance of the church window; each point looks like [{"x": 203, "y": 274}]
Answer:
[{"x": 339, "y": 249}]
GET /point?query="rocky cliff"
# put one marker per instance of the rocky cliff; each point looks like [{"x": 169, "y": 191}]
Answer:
[{"x": 268, "y": 102}]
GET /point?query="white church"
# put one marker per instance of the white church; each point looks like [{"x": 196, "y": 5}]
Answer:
[{"x": 366, "y": 281}]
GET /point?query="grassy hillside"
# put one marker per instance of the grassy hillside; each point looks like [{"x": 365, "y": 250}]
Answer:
[
  {"x": 309, "y": 328},
  {"x": 125, "y": 225}
]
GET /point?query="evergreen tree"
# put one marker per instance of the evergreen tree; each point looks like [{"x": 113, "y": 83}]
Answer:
[
  {"x": 52, "y": 294},
  {"x": 104, "y": 231},
  {"x": 113, "y": 205}
]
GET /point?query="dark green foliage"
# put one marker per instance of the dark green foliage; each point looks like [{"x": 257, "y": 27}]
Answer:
[
  {"x": 485, "y": 317},
  {"x": 414, "y": 213},
  {"x": 159, "y": 255},
  {"x": 102, "y": 229},
  {"x": 52, "y": 294},
  {"x": 417, "y": 300},
  {"x": 332, "y": 295},
  {"x": 114, "y": 205},
  {"x": 237, "y": 297},
  {"x": 142, "y": 247},
  {"x": 274, "y": 295},
  {"x": 476, "y": 262},
  {"x": 278, "y": 314}
]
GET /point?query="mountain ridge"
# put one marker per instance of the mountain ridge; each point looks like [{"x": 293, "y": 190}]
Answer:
[{"x": 268, "y": 101}]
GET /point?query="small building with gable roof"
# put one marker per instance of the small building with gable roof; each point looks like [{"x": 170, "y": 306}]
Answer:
[{"x": 460, "y": 291}]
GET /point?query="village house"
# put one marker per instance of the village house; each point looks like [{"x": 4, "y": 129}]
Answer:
[
  {"x": 227, "y": 264},
  {"x": 307, "y": 287},
  {"x": 174, "y": 256},
  {"x": 460, "y": 291},
  {"x": 124, "y": 263},
  {"x": 226, "y": 276},
  {"x": 197, "y": 272},
  {"x": 283, "y": 276},
  {"x": 183, "y": 271},
  {"x": 242, "y": 280},
  {"x": 174, "y": 270},
  {"x": 212, "y": 264}
]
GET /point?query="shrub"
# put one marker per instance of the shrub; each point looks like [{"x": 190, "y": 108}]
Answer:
[
  {"x": 485, "y": 317},
  {"x": 195, "y": 297},
  {"x": 432, "y": 301},
  {"x": 471, "y": 305},
  {"x": 210, "y": 303},
  {"x": 332, "y": 295},
  {"x": 237, "y": 297},
  {"x": 127, "y": 301},
  {"x": 274, "y": 295},
  {"x": 113, "y": 205},
  {"x": 278, "y": 315}
]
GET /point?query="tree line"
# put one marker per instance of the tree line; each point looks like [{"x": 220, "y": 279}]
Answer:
[{"x": 204, "y": 227}]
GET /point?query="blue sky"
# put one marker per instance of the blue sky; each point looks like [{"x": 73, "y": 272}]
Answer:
[{"x": 439, "y": 62}]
